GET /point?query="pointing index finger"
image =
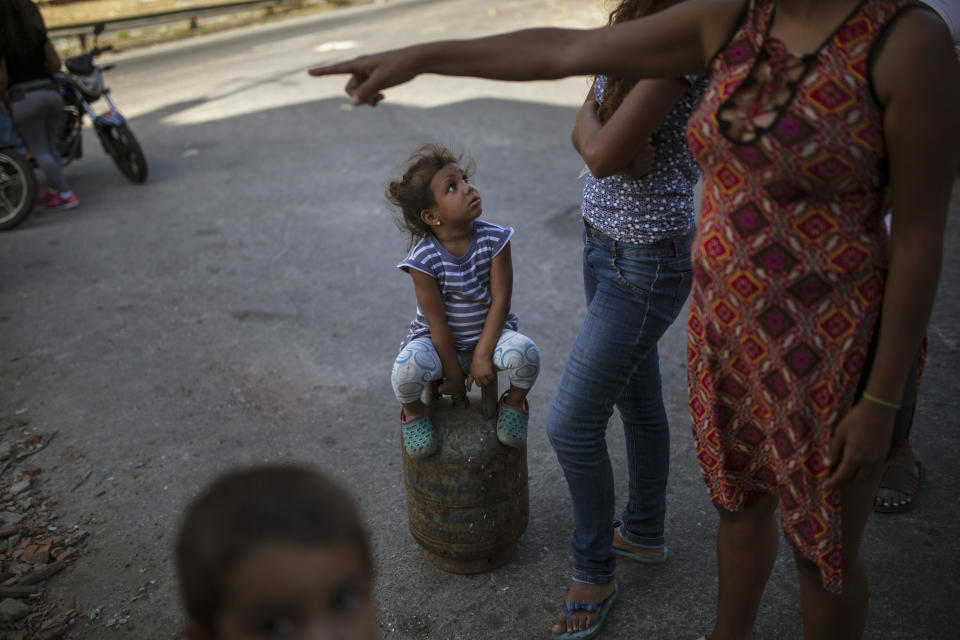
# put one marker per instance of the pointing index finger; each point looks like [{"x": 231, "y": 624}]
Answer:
[{"x": 332, "y": 69}]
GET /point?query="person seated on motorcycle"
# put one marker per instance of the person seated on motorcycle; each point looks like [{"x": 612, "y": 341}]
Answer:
[
  {"x": 8, "y": 133},
  {"x": 27, "y": 62}
]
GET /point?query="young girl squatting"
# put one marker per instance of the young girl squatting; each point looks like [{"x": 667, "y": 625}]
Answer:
[{"x": 462, "y": 274}]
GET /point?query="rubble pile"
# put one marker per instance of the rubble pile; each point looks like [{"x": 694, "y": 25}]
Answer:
[{"x": 33, "y": 544}]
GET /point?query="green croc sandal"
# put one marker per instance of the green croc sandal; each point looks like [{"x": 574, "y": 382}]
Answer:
[
  {"x": 418, "y": 438},
  {"x": 512, "y": 424}
]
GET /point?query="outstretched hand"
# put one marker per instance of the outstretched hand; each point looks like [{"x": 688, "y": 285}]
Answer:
[{"x": 369, "y": 75}]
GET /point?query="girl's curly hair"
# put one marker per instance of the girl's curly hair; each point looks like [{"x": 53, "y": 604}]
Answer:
[
  {"x": 411, "y": 193},
  {"x": 617, "y": 88}
]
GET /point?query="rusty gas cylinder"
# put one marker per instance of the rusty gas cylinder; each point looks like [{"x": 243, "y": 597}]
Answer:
[{"x": 467, "y": 504}]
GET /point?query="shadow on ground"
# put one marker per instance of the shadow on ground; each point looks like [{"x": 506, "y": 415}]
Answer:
[{"x": 243, "y": 306}]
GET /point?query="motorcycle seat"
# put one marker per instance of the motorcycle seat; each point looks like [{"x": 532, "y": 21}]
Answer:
[{"x": 82, "y": 64}]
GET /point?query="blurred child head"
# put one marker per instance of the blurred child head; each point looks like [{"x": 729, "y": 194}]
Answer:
[
  {"x": 412, "y": 194},
  {"x": 276, "y": 552}
]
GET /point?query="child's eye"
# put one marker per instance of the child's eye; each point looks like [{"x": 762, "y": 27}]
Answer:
[
  {"x": 451, "y": 187},
  {"x": 346, "y": 599},
  {"x": 276, "y": 627}
]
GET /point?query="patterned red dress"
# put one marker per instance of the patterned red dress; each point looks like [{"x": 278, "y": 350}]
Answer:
[{"x": 789, "y": 263}]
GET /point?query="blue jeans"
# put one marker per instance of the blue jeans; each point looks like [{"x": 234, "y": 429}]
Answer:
[
  {"x": 37, "y": 116},
  {"x": 634, "y": 292}
]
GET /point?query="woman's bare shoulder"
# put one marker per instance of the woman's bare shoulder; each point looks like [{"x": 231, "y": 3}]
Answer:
[
  {"x": 917, "y": 48},
  {"x": 718, "y": 20}
]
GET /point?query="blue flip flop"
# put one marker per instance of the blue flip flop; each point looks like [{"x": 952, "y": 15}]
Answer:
[
  {"x": 644, "y": 559},
  {"x": 602, "y": 608}
]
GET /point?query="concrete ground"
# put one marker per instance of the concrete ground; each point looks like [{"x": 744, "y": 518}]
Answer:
[{"x": 243, "y": 307}]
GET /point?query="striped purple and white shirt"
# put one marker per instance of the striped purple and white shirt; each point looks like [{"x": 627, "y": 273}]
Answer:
[{"x": 464, "y": 282}]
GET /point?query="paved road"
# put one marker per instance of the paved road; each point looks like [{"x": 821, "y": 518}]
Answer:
[{"x": 242, "y": 306}]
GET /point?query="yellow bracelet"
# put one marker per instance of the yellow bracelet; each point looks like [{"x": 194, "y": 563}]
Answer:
[{"x": 880, "y": 401}]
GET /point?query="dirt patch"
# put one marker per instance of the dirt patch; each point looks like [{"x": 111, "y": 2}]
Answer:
[
  {"x": 88, "y": 11},
  {"x": 61, "y": 14}
]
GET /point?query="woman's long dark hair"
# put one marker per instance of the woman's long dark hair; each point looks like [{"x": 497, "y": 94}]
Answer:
[
  {"x": 617, "y": 88},
  {"x": 20, "y": 26}
]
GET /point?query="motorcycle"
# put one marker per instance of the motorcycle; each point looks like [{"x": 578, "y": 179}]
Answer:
[
  {"x": 18, "y": 187},
  {"x": 81, "y": 85}
]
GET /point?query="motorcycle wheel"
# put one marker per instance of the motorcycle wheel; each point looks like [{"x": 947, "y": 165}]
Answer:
[
  {"x": 18, "y": 189},
  {"x": 123, "y": 147}
]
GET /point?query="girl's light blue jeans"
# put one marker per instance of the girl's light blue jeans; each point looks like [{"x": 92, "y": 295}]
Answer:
[
  {"x": 418, "y": 363},
  {"x": 634, "y": 292}
]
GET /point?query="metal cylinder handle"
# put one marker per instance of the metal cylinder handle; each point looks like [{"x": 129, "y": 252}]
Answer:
[{"x": 488, "y": 398}]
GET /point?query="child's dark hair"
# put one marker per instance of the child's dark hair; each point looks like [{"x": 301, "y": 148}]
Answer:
[
  {"x": 617, "y": 88},
  {"x": 411, "y": 193},
  {"x": 246, "y": 509}
]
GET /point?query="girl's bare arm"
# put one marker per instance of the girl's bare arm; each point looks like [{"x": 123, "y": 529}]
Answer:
[
  {"x": 669, "y": 43},
  {"x": 51, "y": 57},
  {"x": 607, "y": 148},
  {"x": 431, "y": 305},
  {"x": 501, "y": 291}
]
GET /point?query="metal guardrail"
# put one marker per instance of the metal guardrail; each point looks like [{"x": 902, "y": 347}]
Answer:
[{"x": 84, "y": 29}]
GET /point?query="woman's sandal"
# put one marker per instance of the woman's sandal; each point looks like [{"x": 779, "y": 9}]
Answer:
[
  {"x": 418, "y": 437},
  {"x": 904, "y": 480},
  {"x": 602, "y": 608},
  {"x": 512, "y": 423},
  {"x": 660, "y": 559}
]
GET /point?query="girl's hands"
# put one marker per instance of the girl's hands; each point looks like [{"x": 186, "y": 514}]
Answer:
[
  {"x": 481, "y": 372},
  {"x": 453, "y": 385},
  {"x": 642, "y": 163},
  {"x": 860, "y": 444}
]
